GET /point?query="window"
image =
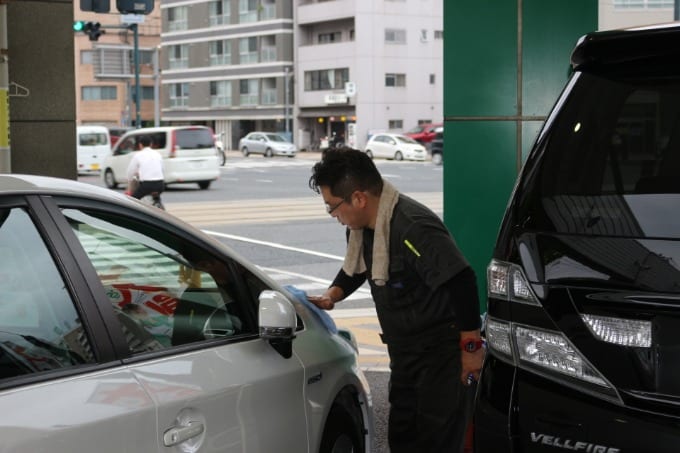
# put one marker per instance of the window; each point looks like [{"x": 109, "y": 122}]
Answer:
[
  {"x": 395, "y": 80},
  {"x": 248, "y": 92},
  {"x": 177, "y": 18},
  {"x": 423, "y": 35},
  {"x": 432, "y": 79},
  {"x": 220, "y": 11},
  {"x": 146, "y": 92},
  {"x": 179, "y": 94},
  {"x": 178, "y": 56},
  {"x": 395, "y": 124},
  {"x": 86, "y": 57},
  {"x": 40, "y": 329},
  {"x": 439, "y": 34},
  {"x": 247, "y": 11},
  {"x": 220, "y": 93},
  {"x": 103, "y": 93},
  {"x": 268, "y": 50},
  {"x": 220, "y": 52},
  {"x": 269, "y": 91},
  {"x": 325, "y": 38},
  {"x": 393, "y": 36},
  {"x": 643, "y": 4},
  {"x": 327, "y": 79},
  {"x": 165, "y": 291},
  {"x": 268, "y": 10},
  {"x": 247, "y": 50}
]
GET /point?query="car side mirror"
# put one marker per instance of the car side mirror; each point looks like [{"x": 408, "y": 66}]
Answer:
[{"x": 277, "y": 321}]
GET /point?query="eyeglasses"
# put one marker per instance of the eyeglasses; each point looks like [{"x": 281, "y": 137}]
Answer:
[{"x": 330, "y": 209}]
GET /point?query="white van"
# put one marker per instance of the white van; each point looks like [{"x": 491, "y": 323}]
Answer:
[
  {"x": 189, "y": 155},
  {"x": 94, "y": 144}
]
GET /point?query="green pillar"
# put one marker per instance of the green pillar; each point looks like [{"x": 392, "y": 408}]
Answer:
[{"x": 505, "y": 63}]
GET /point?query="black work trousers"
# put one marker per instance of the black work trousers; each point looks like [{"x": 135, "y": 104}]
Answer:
[
  {"x": 145, "y": 188},
  {"x": 429, "y": 405}
]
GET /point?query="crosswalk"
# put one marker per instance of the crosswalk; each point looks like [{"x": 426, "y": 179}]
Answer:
[{"x": 269, "y": 210}]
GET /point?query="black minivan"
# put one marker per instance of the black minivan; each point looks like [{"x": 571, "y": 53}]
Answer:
[{"x": 583, "y": 322}]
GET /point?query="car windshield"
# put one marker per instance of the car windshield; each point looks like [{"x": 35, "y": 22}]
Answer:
[
  {"x": 275, "y": 138},
  {"x": 416, "y": 130},
  {"x": 610, "y": 166},
  {"x": 403, "y": 139}
]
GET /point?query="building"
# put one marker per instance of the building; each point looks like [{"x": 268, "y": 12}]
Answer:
[
  {"x": 614, "y": 14},
  {"x": 226, "y": 64},
  {"x": 365, "y": 66},
  {"x": 105, "y": 72}
]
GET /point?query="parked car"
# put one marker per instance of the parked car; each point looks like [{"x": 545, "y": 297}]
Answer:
[
  {"x": 117, "y": 132},
  {"x": 124, "y": 329},
  {"x": 189, "y": 155},
  {"x": 583, "y": 322},
  {"x": 266, "y": 143},
  {"x": 423, "y": 133},
  {"x": 93, "y": 145},
  {"x": 437, "y": 146},
  {"x": 394, "y": 146}
]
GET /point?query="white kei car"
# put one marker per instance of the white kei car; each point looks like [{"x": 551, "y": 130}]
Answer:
[
  {"x": 394, "y": 146},
  {"x": 124, "y": 329}
]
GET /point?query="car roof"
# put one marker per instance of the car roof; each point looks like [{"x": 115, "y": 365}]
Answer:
[
  {"x": 35, "y": 184},
  {"x": 638, "y": 46}
]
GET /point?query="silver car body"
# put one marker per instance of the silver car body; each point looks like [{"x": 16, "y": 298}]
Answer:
[
  {"x": 395, "y": 146},
  {"x": 214, "y": 395},
  {"x": 266, "y": 143}
]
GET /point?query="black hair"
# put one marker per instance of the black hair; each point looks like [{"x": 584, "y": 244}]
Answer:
[
  {"x": 145, "y": 140},
  {"x": 345, "y": 170}
]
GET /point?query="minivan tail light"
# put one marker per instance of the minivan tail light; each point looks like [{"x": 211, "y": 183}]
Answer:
[
  {"x": 173, "y": 145},
  {"x": 499, "y": 339},
  {"x": 623, "y": 332},
  {"x": 552, "y": 351},
  {"x": 507, "y": 281}
]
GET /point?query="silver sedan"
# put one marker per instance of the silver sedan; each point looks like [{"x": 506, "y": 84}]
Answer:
[{"x": 266, "y": 143}]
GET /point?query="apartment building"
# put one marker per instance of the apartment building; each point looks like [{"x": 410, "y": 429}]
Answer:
[
  {"x": 366, "y": 66},
  {"x": 627, "y": 13},
  {"x": 105, "y": 73},
  {"x": 226, "y": 64}
]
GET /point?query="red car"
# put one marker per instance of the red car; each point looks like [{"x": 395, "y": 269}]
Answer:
[{"x": 423, "y": 133}]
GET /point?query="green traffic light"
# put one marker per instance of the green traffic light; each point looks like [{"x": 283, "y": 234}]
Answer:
[{"x": 78, "y": 25}]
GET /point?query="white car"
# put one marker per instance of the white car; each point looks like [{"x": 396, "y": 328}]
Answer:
[
  {"x": 394, "y": 146},
  {"x": 189, "y": 155},
  {"x": 123, "y": 329},
  {"x": 266, "y": 143}
]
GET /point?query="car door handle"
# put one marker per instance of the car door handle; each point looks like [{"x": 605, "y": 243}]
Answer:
[{"x": 178, "y": 434}]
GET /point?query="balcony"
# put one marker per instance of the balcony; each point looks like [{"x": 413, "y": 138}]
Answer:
[{"x": 310, "y": 13}]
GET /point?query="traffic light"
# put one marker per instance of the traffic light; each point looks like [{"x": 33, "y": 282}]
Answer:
[{"x": 92, "y": 29}]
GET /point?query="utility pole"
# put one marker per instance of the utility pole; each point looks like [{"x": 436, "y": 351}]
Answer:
[
  {"x": 285, "y": 100},
  {"x": 138, "y": 101}
]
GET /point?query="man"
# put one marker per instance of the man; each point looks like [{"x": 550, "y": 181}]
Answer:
[
  {"x": 425, "y": 294},
  {"x": 146, "y": 167}
]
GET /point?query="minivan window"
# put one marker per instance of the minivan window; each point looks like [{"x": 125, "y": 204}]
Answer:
[
  {"x": 92, "y": 138},
  {"x": 194, "y": 138},
  {"x": 601, "y": 161}
]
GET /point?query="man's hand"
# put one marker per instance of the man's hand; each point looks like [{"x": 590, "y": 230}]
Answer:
[
  {"x": 328, "y": 299},
  {"x": 471, "y": 362},
  {"x": 324, "y": 302}
]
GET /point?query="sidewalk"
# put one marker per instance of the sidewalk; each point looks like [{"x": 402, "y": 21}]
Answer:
[{"x": 363, "y": 323}]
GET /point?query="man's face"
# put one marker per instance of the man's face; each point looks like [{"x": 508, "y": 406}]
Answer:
[{"x": 349, "y": 213}]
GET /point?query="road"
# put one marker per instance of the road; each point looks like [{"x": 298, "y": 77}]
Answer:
[{"x": 265, "y": 211}]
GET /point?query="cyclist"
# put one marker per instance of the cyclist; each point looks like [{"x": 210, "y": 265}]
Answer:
[{"x": 146, "y": 167}]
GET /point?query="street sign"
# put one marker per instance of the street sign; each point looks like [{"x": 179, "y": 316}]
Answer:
[
  {"x": 335, "y": 99},
  {"x": 132, "y": 18},
  {"x": 350, "y": 89}
]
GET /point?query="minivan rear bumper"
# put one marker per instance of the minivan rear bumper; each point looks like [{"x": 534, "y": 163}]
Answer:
[
  {"x": 183, "y": 170},
  {"x": 519, "y": 411}
]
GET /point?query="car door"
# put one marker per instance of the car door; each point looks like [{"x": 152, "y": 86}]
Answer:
[
  {"x": 62, "y": 389},
  {"x": 121, "y": 156},
  {"x": 189, "y": 319},
  {"x": 258, "y": 143},
  {"x": 381, "y": 149}
]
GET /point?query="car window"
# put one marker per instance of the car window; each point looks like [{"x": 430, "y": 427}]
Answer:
[
  {"x": 275, "y": 138},
  {"x": 40, "y": 329},
  {"x": 164, "y": 290},
  {"x": 611, "y": 166},
  {"x": 403, "y": 139},
  {"x": 194, "y": 138},
  {"x": 92, "y": 139},
  {"x": 126, "y": 146}
]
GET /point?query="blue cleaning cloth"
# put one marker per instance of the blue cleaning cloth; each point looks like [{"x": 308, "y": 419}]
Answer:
[{"x": 323, "y": 316}]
